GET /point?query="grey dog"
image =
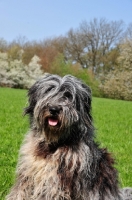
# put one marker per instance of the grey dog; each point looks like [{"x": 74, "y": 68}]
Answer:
[{"x": 59, "y": 159}]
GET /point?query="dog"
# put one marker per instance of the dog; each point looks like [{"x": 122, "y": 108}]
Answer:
[{"x": 59, "y": 159}]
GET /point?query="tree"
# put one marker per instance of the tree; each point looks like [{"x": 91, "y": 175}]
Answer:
[
  {"x": 125, "y": 58},
  {"x": 100, "y": 36},
  {"x": 128, "y": 33},
  {"x": 31, "y": 49},
  {"x": 74, "y": 48},
  {"x": 3, "y": 45},
  {"x": 4, "y": 68},
  {"x": 59, "y": 66},
  {"x": 47, "y": 56},
  {"x": 15, "y": 52}
]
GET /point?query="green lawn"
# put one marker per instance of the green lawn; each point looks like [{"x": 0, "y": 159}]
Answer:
[{"x": 112, "y": 119}]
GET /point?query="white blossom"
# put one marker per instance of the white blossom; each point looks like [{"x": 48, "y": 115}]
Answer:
[{"x": 13, "y": 73}]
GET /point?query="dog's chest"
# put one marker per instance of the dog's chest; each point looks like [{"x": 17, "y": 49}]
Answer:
[
  {"x": 49, "y": 177},
  {"x": 55, "y": 176}
]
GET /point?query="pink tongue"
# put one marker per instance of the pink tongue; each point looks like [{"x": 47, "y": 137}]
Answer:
[{"x": 52, "y": 122}]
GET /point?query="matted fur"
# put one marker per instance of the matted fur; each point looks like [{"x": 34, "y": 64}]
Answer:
[{"x": 59, "y": 159}]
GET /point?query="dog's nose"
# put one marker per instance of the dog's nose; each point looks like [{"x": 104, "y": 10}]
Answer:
[{"x": 54, "y": 110}]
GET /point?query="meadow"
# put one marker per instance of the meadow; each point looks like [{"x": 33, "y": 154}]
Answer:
[{"x": 112, "y": 119}]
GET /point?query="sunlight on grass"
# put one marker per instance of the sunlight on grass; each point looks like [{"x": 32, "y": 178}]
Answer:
[
  {"x": 113, "y": 120},
  {"x": 12, "y": 128}
]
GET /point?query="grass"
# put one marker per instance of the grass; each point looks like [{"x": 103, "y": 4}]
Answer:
[
  {"x": 112, "y": 118},
  {"x": 12, "y": 129}
]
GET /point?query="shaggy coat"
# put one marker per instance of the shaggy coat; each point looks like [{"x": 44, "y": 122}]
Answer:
[{"x": 59, "y": 159}]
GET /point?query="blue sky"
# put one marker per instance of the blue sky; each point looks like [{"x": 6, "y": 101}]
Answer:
[{"x": 41, "y": 19}]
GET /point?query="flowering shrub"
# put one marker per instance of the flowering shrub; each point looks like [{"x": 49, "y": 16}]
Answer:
[
  {"x": 13, "y": 73},
  {"x": 118, "y": 85},
  {"x": 125, "y": 58}
]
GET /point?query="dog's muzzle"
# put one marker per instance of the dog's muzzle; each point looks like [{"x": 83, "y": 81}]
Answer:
[{"x": 54, "y": 111}]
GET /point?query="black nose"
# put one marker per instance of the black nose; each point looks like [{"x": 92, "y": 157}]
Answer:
[{"x": 54, "y": 110}]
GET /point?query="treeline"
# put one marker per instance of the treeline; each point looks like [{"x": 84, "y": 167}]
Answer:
[{"x": 98, "y": 51}]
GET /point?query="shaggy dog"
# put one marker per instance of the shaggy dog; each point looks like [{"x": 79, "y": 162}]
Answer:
[{"x": 59, "y": 159}]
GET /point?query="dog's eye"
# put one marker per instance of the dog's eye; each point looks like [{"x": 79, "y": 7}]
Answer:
[
  {"x": 49, "y": 89},
  {"x": 68, "y": 95}
]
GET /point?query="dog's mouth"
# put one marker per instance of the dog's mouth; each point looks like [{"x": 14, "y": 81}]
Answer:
[{"x": 52, "y": 121}]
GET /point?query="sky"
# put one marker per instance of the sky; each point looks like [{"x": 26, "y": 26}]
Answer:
[{"x": 43, "y": 19}]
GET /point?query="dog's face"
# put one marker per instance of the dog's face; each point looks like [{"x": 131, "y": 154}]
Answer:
[{"x": 59, "y": 107}]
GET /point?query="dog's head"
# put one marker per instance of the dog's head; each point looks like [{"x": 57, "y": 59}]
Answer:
[{"x": 59, "y": 108}]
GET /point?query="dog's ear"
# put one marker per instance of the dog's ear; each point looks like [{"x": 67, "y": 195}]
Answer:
[
  {"x": 33, "y": 94},
  {"x": 32, "y": 99},
  {"x": 87, "y": 98},
  {"x": 88, "y": 93}
]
